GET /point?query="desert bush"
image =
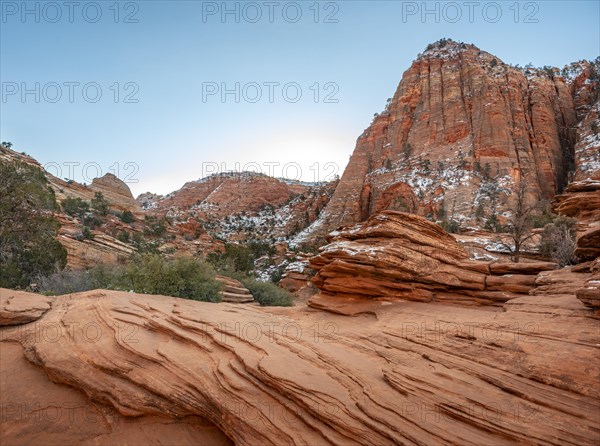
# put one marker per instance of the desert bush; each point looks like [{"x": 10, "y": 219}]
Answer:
[
  {"x": 452, "y": 226},
  {"x": 240, "y": 258},
  {"x": 127, "y": 217},
  {"x": 154, "y": 225},
  {"x": 147, "y": 273},
  {"x": 75, "y": 207},
  {"x": 91, "y": 220},
  {"x": 86, "y": 233},
  {"x": 99, "y": 204},
  {"x": 28, "y": 246},
  {"x": 558, "y": 240},
  {"x": 543, "y": 215},
  {"x": 182, "y": 277},
  {"x": 265, "y": 293},
  {"x": 123, "y": 237},
  {"x": 65, "y": 282},
  {"x": 268, "y": 294},
  {"x": 493, "y": 224},
  {"x": 142, "y": 246}
]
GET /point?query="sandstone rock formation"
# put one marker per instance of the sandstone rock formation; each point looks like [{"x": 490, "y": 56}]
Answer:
[
  {"x": 461, "y": 130},
  {"x": 245, "y": 206},
  {"x": 581, "y": 199},
  {"x": 399, "y": 255},
  {"x": 296, "y": 276},
  {"x": 234, "y": 291},
  {"x": 18, "y": 307},
  {"x": 589, "y": 293},
  {"x": 36, "y": 410},
  {"x": 236, "y": 207},
  {"x": 152, "y": 367}
]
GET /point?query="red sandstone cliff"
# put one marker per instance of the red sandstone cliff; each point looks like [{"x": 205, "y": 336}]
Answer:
[
  {"x": 462, "y": 128},
  {"x": 245, "y": 206}
]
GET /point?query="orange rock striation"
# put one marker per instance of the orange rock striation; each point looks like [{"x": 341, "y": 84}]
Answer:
[
  {"x": 398, "y": 255},
  {"x": 460, "y": 132},
  {"x": 399, "y": 373}
]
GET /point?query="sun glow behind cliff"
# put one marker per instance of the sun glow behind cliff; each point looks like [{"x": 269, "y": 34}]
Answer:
[{"x": 296, "y": 157}]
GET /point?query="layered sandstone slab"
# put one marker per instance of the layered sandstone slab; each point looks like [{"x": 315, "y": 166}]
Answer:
[
  {"x": 589, "y": 293},
  {"x": 581, "y": 200},
  {"x": 233, "y": 291},
  {"x": 36, "y": 410},
  {"x": 398, "y": 255},
  {"x": 588, "y": 243},
  {"x": 401, "y": 373},
  {"x": 18, "y": 307}
]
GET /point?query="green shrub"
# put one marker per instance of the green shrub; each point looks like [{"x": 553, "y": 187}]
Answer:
[
  {"x": 99, "y": 204},
  {"x": 541, "y": 220},
  {"x": 28, "y": 245},
  {"x": 142, "y": 246},
  {"x": 268, "y": 294},
  {"x": 452, "y": 226},
  {"x": 147, "y": 273},
  {"x": 182, "y": 277},
  {"x": 75, "y": 207},
  {"x": 277, "y": 274},
  {"x": 86, "y": 233},
  {"x": 240, "y": 258},
  {"x": 123, "y": 237},
  {"x": 493, "y": 224},
  {"x": 265, "y": 293},
  {"x": 154, "y": 225},
  {"x": 127, "y": 217},
  {"x": 312, "y": 246},
  {"x": 92, "y": 220}
]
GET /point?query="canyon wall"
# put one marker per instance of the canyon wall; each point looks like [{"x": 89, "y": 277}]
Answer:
[{"x": 462, "y": 129}]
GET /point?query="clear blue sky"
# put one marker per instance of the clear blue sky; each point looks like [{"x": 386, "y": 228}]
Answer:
[{"x": 178, "y": 48}]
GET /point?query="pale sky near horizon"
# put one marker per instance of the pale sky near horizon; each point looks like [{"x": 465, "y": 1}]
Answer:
[{"x": 134, "y": 87}]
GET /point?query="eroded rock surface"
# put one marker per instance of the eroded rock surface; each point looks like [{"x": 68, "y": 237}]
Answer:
[
  {"x": 400, "y": 373},
  {"x": 398, "y": 255},
  {"x": 460, "y": 132},
  {"x": 233, "y": 291},
  {"x": 18, "y": 307}
]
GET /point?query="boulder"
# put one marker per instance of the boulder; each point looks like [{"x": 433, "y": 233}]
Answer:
[
  {"x": 19, "y": 307},
  {"x": 395, "y": 255},
  {"x": 233, "y": 291}
]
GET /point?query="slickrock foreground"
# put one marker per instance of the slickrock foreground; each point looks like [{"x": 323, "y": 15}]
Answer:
[{"x": 141, "y": 367}]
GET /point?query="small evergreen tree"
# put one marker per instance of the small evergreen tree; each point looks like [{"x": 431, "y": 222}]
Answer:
[
  {"x": 28, "y": 245},
  {"x": 126, "y": 217},
  {"x": 99, "y": 204}
]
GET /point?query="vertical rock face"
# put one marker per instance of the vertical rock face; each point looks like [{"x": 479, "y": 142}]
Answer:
[
  {"x": 581, "y": 199},
  {"x": 460, "y": 130}
]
